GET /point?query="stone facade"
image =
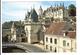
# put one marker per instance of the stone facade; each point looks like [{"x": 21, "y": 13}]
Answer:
[
  {"x": 57, "y": 13},
  {"x": 59, "y": 43},
  {"x": 33, "y": 28}
]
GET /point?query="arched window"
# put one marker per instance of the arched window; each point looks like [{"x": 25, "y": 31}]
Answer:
[
  {"x": 50, "y": 40},
  {"x": 64, "y": 43},
  {"x": 46, "y": 39},
  {"x": 67, "y": 44},
  {"x": 46, "y": 46},
  {"x": 50, "y": 48},
  {"x": 55, "y": 50},
  {"x": 55, "y": 41}
]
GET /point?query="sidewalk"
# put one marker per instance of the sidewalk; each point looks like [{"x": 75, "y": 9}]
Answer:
[{"x": 40, "y": 46}]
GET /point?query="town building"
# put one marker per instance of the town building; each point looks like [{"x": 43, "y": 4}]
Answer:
[{"x": 58, "y": 38}]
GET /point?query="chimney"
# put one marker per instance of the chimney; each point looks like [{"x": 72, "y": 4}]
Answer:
[{"x": 65, "y": 33}]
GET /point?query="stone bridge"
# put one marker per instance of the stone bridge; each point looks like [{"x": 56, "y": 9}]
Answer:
[{"x": 26, "y": 47}]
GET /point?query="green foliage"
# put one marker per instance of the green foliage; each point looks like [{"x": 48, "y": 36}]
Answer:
[
  {"x": 7, "y": 25},
  {"x": 72, "y": 10}
]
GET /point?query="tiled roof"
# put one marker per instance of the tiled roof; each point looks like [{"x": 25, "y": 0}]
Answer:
[
  {"x": 72, "y": 34},
  {"x": 56, "y": 28}
]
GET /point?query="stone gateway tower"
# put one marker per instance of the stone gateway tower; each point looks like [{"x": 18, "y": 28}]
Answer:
[{"x": 32, "y": 27}]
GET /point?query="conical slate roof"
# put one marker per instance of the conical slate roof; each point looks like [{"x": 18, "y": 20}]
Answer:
[
  {"x": 27, "y": 15},
  {"x": 33, "y": 15}
]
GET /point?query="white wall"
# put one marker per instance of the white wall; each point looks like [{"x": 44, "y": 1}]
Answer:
[
  {"x": 28, "y": 28},
  {"x": 59, "y": 45}
]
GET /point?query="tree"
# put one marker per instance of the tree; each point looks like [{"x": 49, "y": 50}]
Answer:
[{"x": 72, "y": 10}]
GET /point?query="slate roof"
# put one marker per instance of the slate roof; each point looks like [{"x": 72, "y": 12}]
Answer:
[{"x": 32, "y": 15}]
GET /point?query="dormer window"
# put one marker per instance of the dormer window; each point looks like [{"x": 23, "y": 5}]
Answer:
[{"x": 65, "y": 33}]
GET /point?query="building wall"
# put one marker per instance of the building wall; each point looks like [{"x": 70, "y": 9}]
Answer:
[
  {"x": 32, "y": 32},
  {"x": 73, "y": 45},
  {"x": 67, "y": 47},
  {"x": 27, "y": 30},
  {"x": 57, "y": 14},
  {"x": 50, "y": 44},
  {"x": 70, "y": 43}
]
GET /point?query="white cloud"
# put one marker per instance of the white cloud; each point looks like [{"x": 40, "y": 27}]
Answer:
[
  {"x": 19, "y": 9},
  {"x": 19, "y": 15}
]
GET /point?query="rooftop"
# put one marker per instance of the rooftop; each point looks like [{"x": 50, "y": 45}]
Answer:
[{"x": 59, "y": 28}]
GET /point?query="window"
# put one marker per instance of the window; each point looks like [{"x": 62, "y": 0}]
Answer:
[
  {"x": 64, "y": 50},
  {"x": 55, "y": 41},
  {"x": 50, "y": 40},
  {"x": 55, "y": 50},
  {"x": 64, "y": 43},
  {"x": 50, "y": 48},
  {"x": 46, "y": 46},
  {"x": 46, "y": 39},
  {"x": 67, "y": 44},
  {"x": 59, "y": 12},
  {"x": 66, "y": 33}
]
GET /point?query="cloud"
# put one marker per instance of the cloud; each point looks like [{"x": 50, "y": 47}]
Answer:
[{"x": 17, "y": 10}]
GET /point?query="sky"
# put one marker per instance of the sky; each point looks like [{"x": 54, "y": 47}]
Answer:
[{"x": 16, "y": 10}]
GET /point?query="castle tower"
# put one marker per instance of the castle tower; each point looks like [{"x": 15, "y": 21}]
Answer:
[
  {"x": 13, "y": 33},
  {"x": 40, "y": 12},
  {"x": 32, "y": 27},
  {"x": 27, "y": 30},
  {"x": 32, "y": 18},
  {"x": 33, "y": 15}
]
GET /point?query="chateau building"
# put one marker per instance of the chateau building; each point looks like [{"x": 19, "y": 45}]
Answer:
[
  {"x": 58, "y": 38},
  {"x": 57, "y": 13}
]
